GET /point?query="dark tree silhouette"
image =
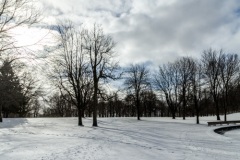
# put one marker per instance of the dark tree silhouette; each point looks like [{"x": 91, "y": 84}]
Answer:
[
  {"x": 71, "y": 70},
  {"x": 196, "y": 87},
  {"x": 211, "y": 68},
  {"x": 137, "y": 80},
  {"x": 185, "y": 67},
  {"x": 229, "y": 70},
  {"x": 100, "y": 50},
  {"x": 166, "y": 80}
]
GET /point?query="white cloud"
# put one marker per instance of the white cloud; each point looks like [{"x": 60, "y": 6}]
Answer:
[{"x": 156, "y": 30}]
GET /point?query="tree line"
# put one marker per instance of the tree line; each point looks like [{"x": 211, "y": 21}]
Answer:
[
  {"x": 183, "y": 88},
  {"x": 209, "y": 85},
  {"x": 84, "y": 60}
]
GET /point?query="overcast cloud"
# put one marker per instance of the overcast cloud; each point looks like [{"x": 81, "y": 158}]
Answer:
[{"x": 156, "y": 31}]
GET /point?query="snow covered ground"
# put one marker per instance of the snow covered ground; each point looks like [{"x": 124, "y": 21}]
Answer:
[
  {"x": 234, "y": 134},
  {"x": 116, "y": 139}
]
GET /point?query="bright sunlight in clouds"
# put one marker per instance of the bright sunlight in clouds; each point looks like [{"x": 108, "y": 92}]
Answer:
[{"x": 152, "y": 31}]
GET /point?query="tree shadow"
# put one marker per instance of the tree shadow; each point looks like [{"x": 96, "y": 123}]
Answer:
[{"x": 13, "y": 122}]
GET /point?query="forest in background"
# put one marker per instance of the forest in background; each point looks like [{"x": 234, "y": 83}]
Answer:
[{"x": 84, "y": 60}]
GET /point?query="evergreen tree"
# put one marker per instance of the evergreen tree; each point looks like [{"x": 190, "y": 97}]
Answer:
[{"x": 11, "y": 96}]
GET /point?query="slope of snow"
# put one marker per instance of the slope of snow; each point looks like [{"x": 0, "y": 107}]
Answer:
[{"x": 116, "y": 138}]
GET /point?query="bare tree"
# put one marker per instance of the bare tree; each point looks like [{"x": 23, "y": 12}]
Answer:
[
  {"x": 211, "y": 68},
  {"x": 71, "y": 67},
  {"x": 61, "y": 106},
  {"x": 166, "y": 80},
  {"x": 31, "y": 90},
  {"x": 197, "y": 87},
  {"x": 229, "y": 69},
  {"x": 137, "y": 80},
  {"x": 185, "y": 67},
  {"x": 100, "y": 50},
  {"x": 13, "y": 14}
]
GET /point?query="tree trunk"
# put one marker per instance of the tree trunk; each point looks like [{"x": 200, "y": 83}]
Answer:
[
  {"x": 83, "y": 111},
  {"x": 217, "y": 108},
  {"x": 80, "y": 118},
  {"x": 138, "y": 108},
  {"x": 161, "y": 113},
  {"x": 145, "y": 110},
  {"x": 197, "y": 118},
  {"x": 184, "y": 103},
  {"x": 1, "y": 113},
  {"x": 173, "y": 111},
  {"x": 110, "y": 109},
  {"x": 197, "y": 111},
  {"x": 173, "y": 115},
  {"x": 138, "y": 112},
  {"x": 184, "y": 113},
  {"x": 89, "y": 113},
  {"x": 225, "y": 114},
  {"x": 95, "y": 103},
  {"x": 226, "y": 105}
]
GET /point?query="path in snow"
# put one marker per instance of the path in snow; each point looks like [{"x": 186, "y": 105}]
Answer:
[{"x": 115, "y": 138}]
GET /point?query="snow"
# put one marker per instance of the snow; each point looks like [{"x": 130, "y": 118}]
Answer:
[
  {"x": 116, "y": 138},
  {"x": 234, "y": 134}
]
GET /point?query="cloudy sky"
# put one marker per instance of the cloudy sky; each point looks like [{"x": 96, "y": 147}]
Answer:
[{"x": 156, "y": 31}]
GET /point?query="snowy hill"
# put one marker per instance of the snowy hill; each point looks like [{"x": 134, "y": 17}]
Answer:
[{"x": 116, "y": 138}]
